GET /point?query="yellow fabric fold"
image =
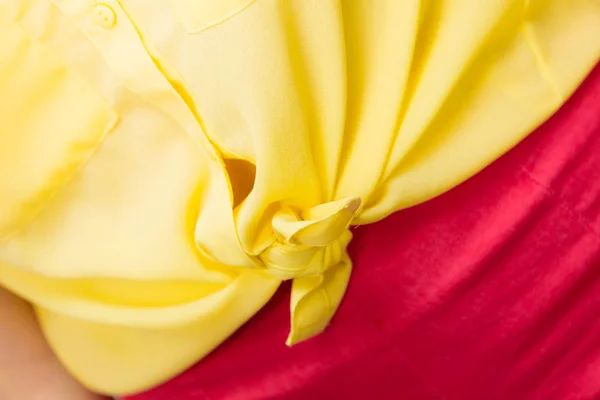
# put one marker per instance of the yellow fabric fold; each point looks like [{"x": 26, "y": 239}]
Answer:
[
  {"x": 162, "y": 174},
  {"x": 315, "y": 299},
  {"x": 52, "y": 93}
]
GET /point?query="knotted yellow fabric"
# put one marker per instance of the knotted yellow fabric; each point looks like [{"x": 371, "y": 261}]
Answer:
[
  {"x": 307, "y": 245},
  {"x": 166, "y": 164}
]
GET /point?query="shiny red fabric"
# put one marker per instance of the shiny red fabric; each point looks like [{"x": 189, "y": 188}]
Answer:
[{"x": 490, "y": 291}]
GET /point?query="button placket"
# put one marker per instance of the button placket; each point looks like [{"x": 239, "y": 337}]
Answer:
[{"x": 107, "y": 25}]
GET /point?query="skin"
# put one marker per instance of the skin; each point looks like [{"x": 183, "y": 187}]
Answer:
[{"x": 28, "y": 368}]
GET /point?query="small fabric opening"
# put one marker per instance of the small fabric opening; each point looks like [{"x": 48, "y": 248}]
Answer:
[{"x": 241, "y": 175}]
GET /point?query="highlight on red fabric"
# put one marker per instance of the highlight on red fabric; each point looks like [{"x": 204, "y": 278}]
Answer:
[{"x": 490, "y": 291}]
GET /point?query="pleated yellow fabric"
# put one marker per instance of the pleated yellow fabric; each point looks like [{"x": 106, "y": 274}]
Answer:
[{"x": 166, "y": 164}]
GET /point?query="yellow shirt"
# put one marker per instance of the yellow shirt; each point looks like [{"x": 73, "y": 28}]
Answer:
[{"x": 165, "y": 164}]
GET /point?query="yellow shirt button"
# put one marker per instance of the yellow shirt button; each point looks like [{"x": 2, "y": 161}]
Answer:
[{"x": 105, "y": 16}]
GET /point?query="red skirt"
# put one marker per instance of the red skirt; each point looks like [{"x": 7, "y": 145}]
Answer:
[{"x": 490, "y": 291}]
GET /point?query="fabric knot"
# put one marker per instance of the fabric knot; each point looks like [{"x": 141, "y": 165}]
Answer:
[{"x": 309, "y": 242}]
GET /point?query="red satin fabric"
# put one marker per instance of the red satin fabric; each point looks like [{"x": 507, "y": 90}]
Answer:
[{"x": 491, "y": 291}]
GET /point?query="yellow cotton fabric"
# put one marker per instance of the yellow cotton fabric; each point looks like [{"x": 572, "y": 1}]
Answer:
[{"x": 166, "y": 164}]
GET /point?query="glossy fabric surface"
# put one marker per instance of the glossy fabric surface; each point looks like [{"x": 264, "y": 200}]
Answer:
[
  {"x": 166, "y": 164},
  {"x": 489, "y": 291}
]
